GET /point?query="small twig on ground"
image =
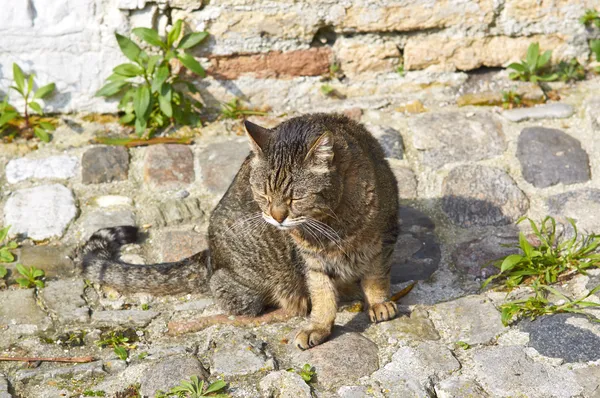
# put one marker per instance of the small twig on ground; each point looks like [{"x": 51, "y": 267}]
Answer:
[{"x": 51, "y": 359}]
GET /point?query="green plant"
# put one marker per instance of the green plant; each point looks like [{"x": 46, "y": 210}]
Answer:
[
  {"x": 539, "y": 305},
  {"x": 591, "y": 17},
  {"x": 307, "y": 373},
  {"x": 6, "y": 255},
  {"x": 3, "y": 271},
  {"x": 534, "y": 67},
  {"x": 511, "y": 99},
  {"x": 92, "y": 393},
  {"x": 142, "y": 355},
  {"x": 463, "y": 345},
  {"x": 549, "y": 258},
  {"x": 570, "y": 71},
  {"x": 327, "y": 90},
  {"x": 153, "y": 94},
  {"x": 235, "y": 110},
  {"x": 195, "y": 389},
  {"x": 32, "y": 277},
  {"x": 9, "y": 116},
  {"x": 145, "y": 307},
  {"x": 400, "y": 70},
  {"x": 595, "y": 47},
  {"x": 118, "y": 342}
]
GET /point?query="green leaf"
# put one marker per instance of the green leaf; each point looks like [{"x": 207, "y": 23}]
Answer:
[
  {"x": 191, "y": 63},
  {"x": 152, "y": 63},
  {"x": 116, "y": 77},
  {"x": 150, "y": 36},
  {"x": 128, "y": 118},
  {"x": 41, "y": 134},
  {"x": 141, "y": 102},
  {"x": 595, "y": 47},
  {"x": 174, "y": 33},
  {"x": 543, "y": 60},
  {"x": 6, "y": 256},
  {"x": 121, "y": 353},
  {"x": 44, "y": 91},
  {"x": 161, "y": 76},
  {"x": 517, "y": 67},
  {"x": 111, "y": 88},
  {"x": 4, "y": 233},
  {"x": 532, "y": 54},
  {"x": 165, "y": 98},
  {"x": 29, "y": 84},
  {"x": 140, "y": 126},
  {"x": 128, "y": 70},
  {"x": 47, "y": 126},
  {"x": 39, "y": 283},
  {"x": 192, "y": 40},
  {"x": 36, "y": 107},
  {"x": 3, "y": 271},
  {"x": 7, "y": 117},
  {"x": 128, "y": 47},
  {"x": 24, "y": 283},
  {"x": 510, "y": 262},
  {"x": 216, "y": 386},
  {"x": 525, "y": 245},
  {"x": 22, "y": 270},
  {"x": 19, "y": 79}
]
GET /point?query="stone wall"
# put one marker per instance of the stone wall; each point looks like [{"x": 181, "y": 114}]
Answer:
[{"x": 274, "y": 52}]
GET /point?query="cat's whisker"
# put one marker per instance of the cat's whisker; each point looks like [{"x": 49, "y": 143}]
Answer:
[
  {"x": 243, "y": 221},
  {"x": 313, "y": 234},
  {"x": 250, "y": 227},
  {"x": 327, "y": 232}
]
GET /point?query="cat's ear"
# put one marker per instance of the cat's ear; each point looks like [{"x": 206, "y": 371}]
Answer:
[
  {"x": 258, "y": 136},
  {"x": 322, "y": 148}
]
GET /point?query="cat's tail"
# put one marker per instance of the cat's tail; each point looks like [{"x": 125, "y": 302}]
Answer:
[{"x": 100, "y": 263}]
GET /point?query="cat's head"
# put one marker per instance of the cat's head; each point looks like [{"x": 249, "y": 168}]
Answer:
[{"x": 293, "y": 177}]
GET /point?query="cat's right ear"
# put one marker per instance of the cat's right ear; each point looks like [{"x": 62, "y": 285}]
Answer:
[{"x": 258, "y": 136}]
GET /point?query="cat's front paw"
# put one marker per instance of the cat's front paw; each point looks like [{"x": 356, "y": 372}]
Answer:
[
  {"x": 383, "y": 311},
  {"x": 311, "y": 336}
]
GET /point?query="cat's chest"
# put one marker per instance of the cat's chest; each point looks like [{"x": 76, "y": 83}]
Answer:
[{"x": 347, "y": 265}]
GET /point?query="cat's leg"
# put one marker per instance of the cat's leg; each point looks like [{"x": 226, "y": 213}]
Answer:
[
  {"x": 376, "y": 288},
  {"x": 234, "y": 297},
  {"x": 323, "y": 298}
]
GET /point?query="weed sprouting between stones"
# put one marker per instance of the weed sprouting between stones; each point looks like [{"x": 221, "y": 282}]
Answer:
[
  {"x": 234, "y": 109},
  {"x": 195, "y": 389},
  {"x": 120, "y": 341},
  {"x": 307, "y": 372},
  {"x": 551, "y": 258}
]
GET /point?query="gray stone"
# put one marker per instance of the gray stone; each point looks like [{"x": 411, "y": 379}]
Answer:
[
  {"x": 195, "y": 305},
  {"x": 545, "y": 111},
  {"x": 453, "y": 137},
  {"x": 174, "y": 211},
  {"x": 112, "y": 201},
  {"x": 476, "y": 195},
  {"x": 506, "y": 371},
  {"x": 589, "y": 380},
  {"x": 41, "y": 212},
  {"x": 457, "y": 386},
  {"x": 4, "y": 387},
  {"x": 553, "y": 336},
  {"x": 398, "y": 384},
  {"x": 64, "y": 299},
  {"x": 417, "y": 254},
  {"x": 550, "y": 156},
  {"x": 168, "y": 166},
  {"x": 472, "y": 319},
  {"x": 583, "y": 206},
  {"x": 177, "y": 245},
  {"x": 417, "y": 326},
  {"x": 592, "y": 107},
  {"x": 169, "y": 372},
  {"x": 96, "y": 220},
  {"x": 71, "y": 371},
  {"x": 220, "y": 162},
  {"x": 474, "y": 257},
  {"x": 53, "y": 167},
  {"x": 389, "y": 139},
  {"x": 345, "y": 356},
  {"x": 236, "y": 353},
  {"x": 426, "y": 362},
  {"x": 353, "y": 392},
  {"x": 129, "y": 318},
  {"x": 407, "y": 182},
  {"x": 104, "y": 164},
  {"x": 283, "y": 384},
  {"x": 53, "y": 260},
  {"x": 20, "y": 312}
]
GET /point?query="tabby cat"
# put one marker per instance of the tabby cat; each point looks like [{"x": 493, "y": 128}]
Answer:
[{"x": 311, "y": 212}]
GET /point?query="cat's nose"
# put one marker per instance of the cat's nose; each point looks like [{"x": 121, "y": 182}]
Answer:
[{"x": 279, "y": 213}]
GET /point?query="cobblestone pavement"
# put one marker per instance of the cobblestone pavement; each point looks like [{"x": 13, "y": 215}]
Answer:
[{"x": 465, "y": 175}]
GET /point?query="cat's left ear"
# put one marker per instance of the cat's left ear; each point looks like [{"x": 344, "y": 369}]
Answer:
[
  {"x": 322, "y": 148},
  {"x": 258, "y": 136}
]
